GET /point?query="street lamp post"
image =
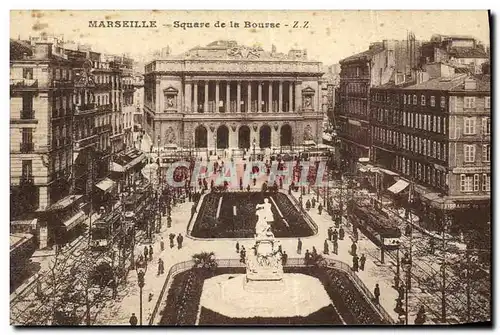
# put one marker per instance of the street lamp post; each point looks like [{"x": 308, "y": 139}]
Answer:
[
  {"x": 215, "y": 144},
  {"x": 141, "y": 271},
  {"x": 253, "y": 143},
  {"x": 406, "y": 264}
]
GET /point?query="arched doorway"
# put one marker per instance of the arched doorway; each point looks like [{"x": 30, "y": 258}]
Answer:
[
  {"x": 200, "y": 137},
  {"x": 222, "y": 137},
  {"x": 286, "y": 135},
  {"x": 265, "y": 136},
  {"x": 244, "y": 137}
]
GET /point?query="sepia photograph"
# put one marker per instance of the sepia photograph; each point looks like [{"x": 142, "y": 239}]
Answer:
[{"x": 250, "y": 168}]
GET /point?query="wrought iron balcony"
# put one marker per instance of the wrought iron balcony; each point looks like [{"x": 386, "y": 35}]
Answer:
[
  {"x": 27, "y": 179},
  {"x": 27, "y": 114},
  {"x": 23, "y": 83},
  {"x": 27, "y": 147}
]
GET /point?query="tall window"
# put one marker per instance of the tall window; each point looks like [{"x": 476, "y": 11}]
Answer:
[
  {"x": 486, "y": 125},
  {"x": 404, "y": 99},
  {"x": 28, "y": 73},
  {"x": 469, "y": 102},
  {"x": 433, "y": 101},
  {"x": 414, "y": 99},
  {"x": 439, "y": 124},
  {"x": 27, "y": 168},
  {"x": 422, "y": 100},
  {"x": 469, "y": 153},
  {"x": 486, "y": 152},
  {"x": 486, "y": 182},
  {"x": 466, "y": 183},
  {"x": 476, "y": 182},
  {"x": 443, "y": 102},
  {"x": 469, "y": 125},
  {"x": 487, "y": 102}
]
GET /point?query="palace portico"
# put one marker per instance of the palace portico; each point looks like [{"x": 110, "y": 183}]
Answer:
[{"x": 226, "y": 96}]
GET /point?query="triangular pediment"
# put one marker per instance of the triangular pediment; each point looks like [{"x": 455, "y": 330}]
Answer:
[{"x": 170, "y": 90}]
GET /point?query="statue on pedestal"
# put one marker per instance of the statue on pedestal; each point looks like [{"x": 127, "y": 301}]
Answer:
[{"x": 265, "y": 216}]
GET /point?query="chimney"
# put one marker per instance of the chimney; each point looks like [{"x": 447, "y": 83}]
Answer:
[
  {"x": 470, "y": 84},
  {"x": 42, "y": 50}
]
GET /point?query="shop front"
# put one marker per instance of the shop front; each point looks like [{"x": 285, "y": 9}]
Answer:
[{"x": 66, "y": 220}]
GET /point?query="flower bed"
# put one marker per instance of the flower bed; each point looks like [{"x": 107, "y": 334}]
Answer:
[
  {"x": 349, "y": 304},
  {"x": 227, "y": 225}
]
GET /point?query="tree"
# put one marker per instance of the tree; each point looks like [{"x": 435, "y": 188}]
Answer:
[
  {"x": 485, "y": 68},
  {"x": 205, "y": 261}
]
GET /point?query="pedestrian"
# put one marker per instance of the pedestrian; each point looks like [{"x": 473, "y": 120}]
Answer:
[
  {"x": 355, "y": 263},
  {"x": 376, "y": 292},
  {"x": 341, "y": 233},
  {"x": 248, "y": 188},
  {"x": 362, "y": 261},
  {"x": 314, "y": 253},
  {"x": 284, "y": 258},
  {"x": 308, "y": 204},
  {"x": 396, "y": 282},
  {"x": 146, "y": 252},
  {"x": 330, "y": 233},
  {"x": 179, "y": 241},
  {"x": 401, "y": 290},
  {"x": 335, "y": 247},
  {"x": 320, "y": 209},
  {"x": 241, "y": 184},
  {"x": 335, "y": 235},
  {"x": 133, "y": 320},
  {"x": 313, "y": 203},
  {"x": 171, "y": 238},
  {"x": 243, "y": 255},
  {"x": 254, "y": 181},
  {"x": 354, "y": 248},
  {"x": 299, "y": 246},
  {"x": 325, "y": 248},
  {"x": 237, "y": 247},
  {"x": 307, "y": 257},
  {"x": 399, "y": 307},
  {"x": 160, "y": 267}
]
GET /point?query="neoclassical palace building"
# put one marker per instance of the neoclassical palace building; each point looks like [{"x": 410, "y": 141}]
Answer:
[{"x": 230, "y": 96}]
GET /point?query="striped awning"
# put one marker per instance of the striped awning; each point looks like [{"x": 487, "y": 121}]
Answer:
[{"x": 398, "y": 186}]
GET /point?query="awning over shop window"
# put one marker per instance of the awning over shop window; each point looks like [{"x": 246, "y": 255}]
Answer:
[
  {"x": 115, "y": 167},
  {"x": 125, "y": 162},
  {"x": 75, "y": 220},
  {"x": 106, "y": 185},
  {"x": 355, "y": 122},
  {"x": 398, "y": 186},
  {"x": 388, "y": 172},
  {"x": 65, "y": 202}
]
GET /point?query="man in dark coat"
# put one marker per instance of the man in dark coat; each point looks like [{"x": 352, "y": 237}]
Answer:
[
  {"x": 313, "y": 203},
  {"x": 237, "y": 247},
  {"x": 325, "y": 248},
  {"x": 150, "y": 252},
  {"x": 284, "y": 258},
  {"x": 376, "y": 292},
  {"x": 161, "y": 267},
  {"x": 355, "y": 263},
  {"x": 335, "y": 235},
  {"x": 341, "y": 233},
  {"x": 362, "y": 261},
  {"x": 243, "y": 254},
  {"x": 179, "y": 241},
  {"x": 330, "y": 233},
  {"x": 354, "y": 248},
  {"x": 146, "y": 252},
  {"x": 320, "y": 209},
  {"x": 307, "y": 257},
  {"x": 171, "y": 238},
  {"x": 308, "y": 204},
  {"x": 133, "y": 320}
]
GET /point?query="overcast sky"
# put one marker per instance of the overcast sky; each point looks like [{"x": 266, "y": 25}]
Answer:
[{"x": 329, "y": 37}]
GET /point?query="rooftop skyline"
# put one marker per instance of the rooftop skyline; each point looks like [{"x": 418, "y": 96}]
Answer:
[{"x": 329, "y": 37}]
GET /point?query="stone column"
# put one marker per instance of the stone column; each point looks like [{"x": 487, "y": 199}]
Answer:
[
  {"x": 228, "y": 97},
  {"x": 280, "y": 97},
  {"x": 195, "y": 98},
  {"x": 217, "y": 84},
  {"x": 290, "y": 97},
  {"x": 298, "y": 96},
  {"x": 249, "y": 98},
  {"x": 205, "y": 105},
  {"x": 159, "y": 102},
  {"x": 259, "y": 97},
  {"x": 238, "y": 96},
  {"x": 187, "y": 96},
  {"x": 270, "y": 98}
]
